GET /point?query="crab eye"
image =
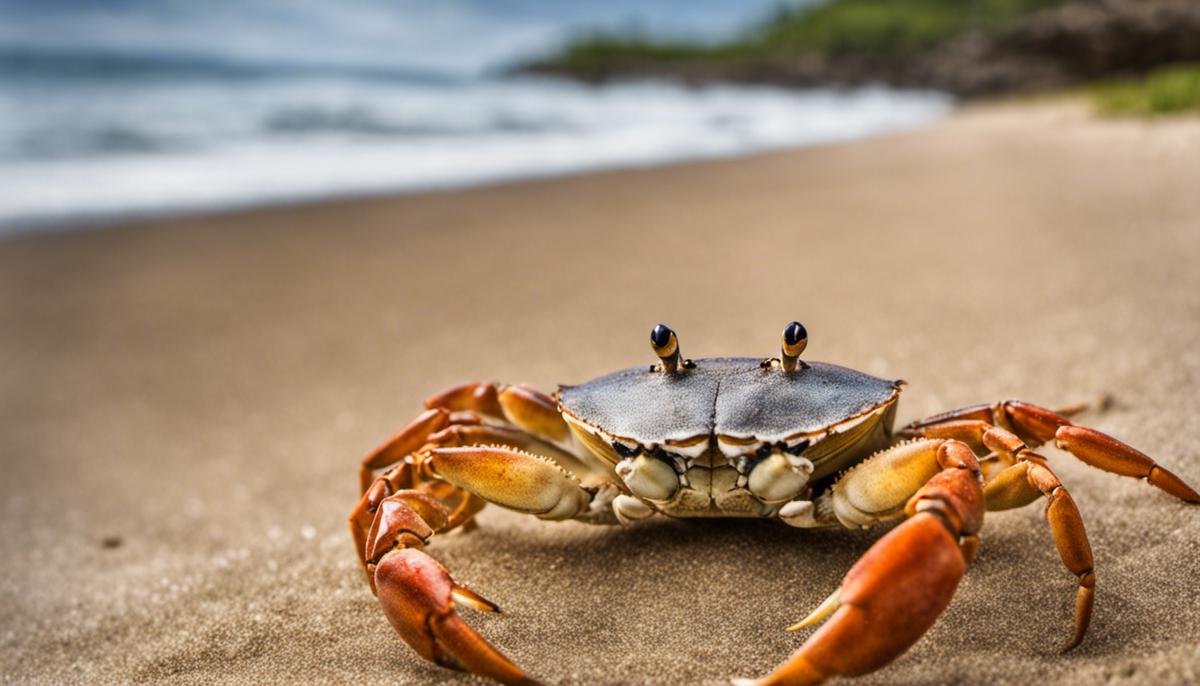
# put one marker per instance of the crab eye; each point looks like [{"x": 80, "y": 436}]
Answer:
[
  {"x": 666, "y": 346},
  {"x": 795, "y": 340},
  {"x": 660, "y": 336},
  {"x": 795, "y": 333}
]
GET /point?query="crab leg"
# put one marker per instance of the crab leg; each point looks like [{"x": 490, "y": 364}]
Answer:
[
  {"x": 408, "y": 441},
  {"x": 416, "y": 592},
  {"x": 891, "y": 597},
  {"x": 402, "y": 475},
  {"x": 1008, "y": 489},
  {"x": 398, "y": 453},
  {"x": 399, "y": 480},
  {"x": 524, "y": 407},
  {"x": 438, "y": 475},
  {"x": 479, "y": 397},
  {"x": 453, "y": 419},
  {"x": 1028, "y": 478},
  {"x": 1025, "y": 482},
  {"x": 1037, "y": 425}
]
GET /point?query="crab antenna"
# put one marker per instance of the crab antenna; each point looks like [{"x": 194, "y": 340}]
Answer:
[
  {"x": 666, "y": 346},
  {"x": 795, "y": 340}
]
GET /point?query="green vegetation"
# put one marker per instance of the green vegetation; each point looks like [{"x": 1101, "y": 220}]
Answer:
[
  {"x": 882, "y": 28},
  {"x": 865, "y": 28},
  {"x": 899, "y": 42},
  {"x": 1170, "y": 90}
]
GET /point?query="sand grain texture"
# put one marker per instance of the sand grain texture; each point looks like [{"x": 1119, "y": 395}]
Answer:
[{"x": 182, "y": 405}]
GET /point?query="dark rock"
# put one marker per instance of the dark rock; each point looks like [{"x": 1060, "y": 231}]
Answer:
[{"x": 1064, "y": 46}]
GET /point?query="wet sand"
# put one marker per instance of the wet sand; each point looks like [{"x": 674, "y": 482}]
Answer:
[{"x": 182, "y": 405}]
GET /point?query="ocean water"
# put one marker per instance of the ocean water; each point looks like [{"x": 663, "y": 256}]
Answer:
[{"x": 91, "y": 138}]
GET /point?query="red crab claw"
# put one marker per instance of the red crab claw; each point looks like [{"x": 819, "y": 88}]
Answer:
[
  {"x": 886, "y": 602},
  {"x": 418, "y": 598},
  {"x": 891, "y": 596}
]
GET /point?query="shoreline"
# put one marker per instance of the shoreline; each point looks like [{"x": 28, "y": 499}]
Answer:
[
  {"x": 1057, "y": 104},
  {"x": 102, "y": 223},
  {"x": 682, "y": 125}
]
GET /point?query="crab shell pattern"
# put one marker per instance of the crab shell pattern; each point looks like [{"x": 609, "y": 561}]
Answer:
[{"x": 773, "y": 432}]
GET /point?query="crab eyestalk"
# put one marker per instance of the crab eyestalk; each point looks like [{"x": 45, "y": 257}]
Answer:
[
  {"x": 795, "y": 340},
  {"x": 666, "y": 346}
]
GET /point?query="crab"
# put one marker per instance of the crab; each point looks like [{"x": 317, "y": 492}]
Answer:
[{"x": 808, "y": 444}]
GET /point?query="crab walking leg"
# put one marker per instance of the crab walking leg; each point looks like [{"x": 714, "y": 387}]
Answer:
[
  {"x": 1107, "y": 453},
  {"x": 995, "y": 414},
  {"x": 408, "y": 441},
  {"x": 397, "y": 453},
  {"x": 1037, "y": 425},
  {"x": 524, "y": 407},
  {"x": 1028, "y": 480},
  {"x": 479, "y": 397},
  {"x": 891, "y": 596}
]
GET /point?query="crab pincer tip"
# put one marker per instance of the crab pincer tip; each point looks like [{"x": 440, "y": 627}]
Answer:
[
  {"x": 468, "y": 598},
  {"x": 826, "y": 608}
]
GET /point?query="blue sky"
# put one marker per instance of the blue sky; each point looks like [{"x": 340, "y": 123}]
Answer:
[{"x": 460, "y": 36}]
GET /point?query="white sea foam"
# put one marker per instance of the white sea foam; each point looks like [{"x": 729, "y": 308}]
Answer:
[{"x": 97, "y": 147}]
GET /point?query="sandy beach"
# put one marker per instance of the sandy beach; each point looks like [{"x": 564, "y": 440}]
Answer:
[{"x": 183, "y": 404}]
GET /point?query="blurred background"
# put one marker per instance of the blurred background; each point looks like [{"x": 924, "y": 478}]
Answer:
[
  {"x": 241, "y": 241},
  {"x": 130, "y": 108},
  {"x": 134, "y": 107}
]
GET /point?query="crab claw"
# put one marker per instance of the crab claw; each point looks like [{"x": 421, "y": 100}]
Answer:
[
  {"x": 886, "y": 602},
  {"x": 512, "y": 478},
  {"x": 418, "y": 598}
]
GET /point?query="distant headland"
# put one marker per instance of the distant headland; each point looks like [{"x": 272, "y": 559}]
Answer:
[{"x": 971, "y": 48}]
